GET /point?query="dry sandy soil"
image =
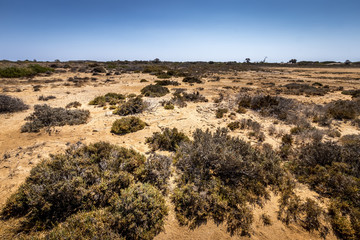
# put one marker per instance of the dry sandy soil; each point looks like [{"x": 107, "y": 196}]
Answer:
[{"x": 25, "y": 150}]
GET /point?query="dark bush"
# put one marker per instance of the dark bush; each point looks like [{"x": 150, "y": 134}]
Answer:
[
  {"x": 220, "y": 112},
  {"x": 154, "y": 91},
  {"x": 10, "y": 104},
  {"x": 220, "y": 177},
  {"x": 167, "y": 83},
  {"x": 343, "y": 109},
  {"x": 127, "y": 125},
  {"x": 192, "y": 80},
  {"x": 132, "y": 106},
  {"x": 47, "y": 98},
  {"x": 46, "y": 116},
  {"x": 234, "y": 125},
  {"x": 279, "y": 107},
  {"x": 168, "y": 139}
]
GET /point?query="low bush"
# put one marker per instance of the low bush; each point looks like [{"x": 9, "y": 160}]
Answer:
[
  {"x": 74, "y": 104},
  {"x": 127, "y": 125},
  {"x": 192, "y": 80},
  {"x": 131, "y": 106},
  {"x": 305, "y": 89},
  {"x": 220, "y": 112},
  {"x": 92, "y": 191},
  {"x": 168, "y": 139},
  {"x": 10, "y": 104},
  {"x": 47, "y": 98},
  {"x": 167, "y": 83},
  {"x": 220, "y": 177},
  {"x": 46, "y": 116},
  {"x": 111, "y": 98},
  {"x": 154, "y": 91},
  {"x": 354, "y": 93}
]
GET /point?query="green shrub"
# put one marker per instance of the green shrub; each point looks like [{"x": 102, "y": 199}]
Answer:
[
  {"x": 169, "y": 106},
  {"x": 220, "y": 177},
  {"x": 17, "y": 72},
  {"x": 132, "y": 106},
  {"x": 10, "y": 104},
  {"x": 220, "y": 112},
  {"x": 140, "y": 211},
  {"x": 111, "y": 98},
  {"x": 168, "y": 139},
  {"x": 154, "y": 91},
  {"x": 46, "y": 116},
  {"x": 127, "y": 125}
]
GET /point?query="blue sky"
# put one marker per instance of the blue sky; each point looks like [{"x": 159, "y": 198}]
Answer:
[{"x": 223, "y": 30}]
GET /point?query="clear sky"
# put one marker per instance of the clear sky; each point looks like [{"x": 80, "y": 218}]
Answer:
[{"x": 181, "y": 30}]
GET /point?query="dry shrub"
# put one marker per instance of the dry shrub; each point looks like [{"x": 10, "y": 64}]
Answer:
[
  {"x": 219, "y": 177},
  {"x": 47, "y": 98},
  {"x": 92, "y": 191},
  {"x": 10, "y": 104},
  {"x": 192, "y": 80},
  {"x": 46, "y": 116}
]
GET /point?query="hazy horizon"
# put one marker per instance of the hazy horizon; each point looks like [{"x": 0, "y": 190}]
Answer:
[{"x": 224, "y": 31}]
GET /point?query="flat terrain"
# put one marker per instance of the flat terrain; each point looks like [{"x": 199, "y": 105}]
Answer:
[{"x": 22, "y": 151}]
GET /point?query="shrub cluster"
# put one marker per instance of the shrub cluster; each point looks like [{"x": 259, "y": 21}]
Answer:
[
  {"x": 92, "y": 191},
  {"x": 131, "y": 106},
  {"x": 167, "y": 83},
  {"x": 334, "y": 171},
  {"x": 154, "y": 91},
  {"x": 10, "y": 104},
  {"x": 46, "y": 116},
  {"x": 127, "y": 125},
  {"x": 220, "y": 177},
  {"x": 343, "y": 109},
  {"x": 17, "y": 72},
  {"x": 305, "y": 89},
  {"x": 167, "y": 140}
]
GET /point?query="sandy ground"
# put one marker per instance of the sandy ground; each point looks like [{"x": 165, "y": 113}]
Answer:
[{"x": 24, "y": 150}]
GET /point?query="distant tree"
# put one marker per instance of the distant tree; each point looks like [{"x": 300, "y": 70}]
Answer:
[
  {"x": 347, "y": 62},
  {"x": 247, "y": 60},
  {"x": 293, "y": 61},
  {"x": 156, "y": 60}
]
